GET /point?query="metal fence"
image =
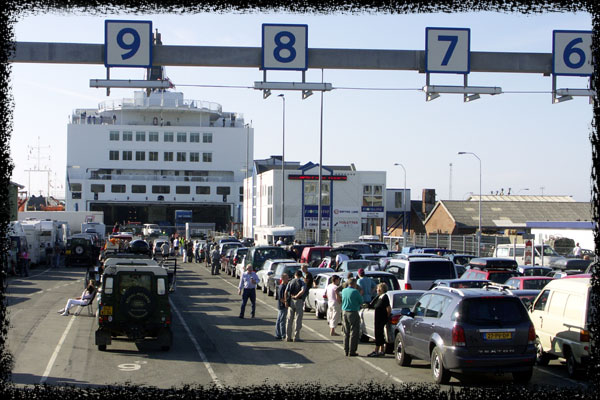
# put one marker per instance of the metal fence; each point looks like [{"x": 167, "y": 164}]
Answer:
[{"x": 466, "y": 244}]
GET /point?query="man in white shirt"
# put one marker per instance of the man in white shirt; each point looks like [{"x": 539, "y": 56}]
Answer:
[
  {"x": 577, "y": 251},
  {"x": 334, "y": 305},
  {"x": 247, "y": 288}
]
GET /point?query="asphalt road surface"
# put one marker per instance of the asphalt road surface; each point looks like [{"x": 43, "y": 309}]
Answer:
[{"x": 211, "y": 345}]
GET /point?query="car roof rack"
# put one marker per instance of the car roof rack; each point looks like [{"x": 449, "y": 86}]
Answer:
[
  {"x": 498, "y": 287},
  {"x": 450, "y": 289}
]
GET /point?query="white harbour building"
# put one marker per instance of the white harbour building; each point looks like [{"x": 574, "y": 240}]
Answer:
[{"x": 142, "y": 158}]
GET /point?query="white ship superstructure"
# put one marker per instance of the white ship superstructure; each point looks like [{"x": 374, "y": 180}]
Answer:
[{"x": 143, "y": 158}]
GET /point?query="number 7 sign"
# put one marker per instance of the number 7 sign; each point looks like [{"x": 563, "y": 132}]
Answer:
[
  {"x": 447, "y": 50},
  {"x": 128, "y": 44}
]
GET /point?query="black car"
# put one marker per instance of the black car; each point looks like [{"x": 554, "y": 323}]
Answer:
[
  {"x": 139, "y": 246},
  {"x": 80, "y": 251},
  {"x": 274, "y": 279},
  {"x": 468, "y": 331}
]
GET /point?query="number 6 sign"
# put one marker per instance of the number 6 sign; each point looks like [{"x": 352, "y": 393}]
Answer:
[
  {"x": 447, "y": 50},
  {"x": 285, "y": 47},
  {"x": 128, "y": 44},
  {"x": 572, "y": 53}
]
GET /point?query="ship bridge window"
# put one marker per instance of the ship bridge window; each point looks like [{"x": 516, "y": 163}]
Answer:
[
  {"x": 223, "y": 189},
  {"x": 202, "y": 189},
  {"x": 76, "y": 196},
  {"x": 114, "y": 135},
  {"x": 117, "y": 188},
  {"x": 182, "y": 189},
  {"x": 194, "y": 137},
  {"x": 97, "y": 188},
  {"x": 181, "y": 137},
  {"x": 76, "y": 187},
  {"x": 138, "y": 188},
  {"x": 127, "y": 136}
]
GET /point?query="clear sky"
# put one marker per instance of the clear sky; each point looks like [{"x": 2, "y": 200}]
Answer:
[{"x": 525, "y": 142}]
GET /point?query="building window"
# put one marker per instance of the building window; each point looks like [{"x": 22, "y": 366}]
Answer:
[
  {"x": 113, "y": 155},
  {"x": 96, "y": 188},
  {"x": 138, "y": 188},
  {"x": 202, "y": 189},
  {"x": 181, "y": 156},
  {"x": 76, "y": 187},
  {"x": 114, "y": 135},
  {"x": 223, "y": 190},
  {"x": 269, "y": 194},
  {"x": 181, "y": 137},
  {"x": 117, "y": 188},
  {"x": 153, "y": 156},
  {"x": 168, "y": 156},
  {"x": 127, "y": 136},
  {"x": 161, "y": 189},
  {"x": 194, "y": 137},
  {"x": 206, "y": 157},
  {"x": 194, "y": 157},
  {"x": 311, "y": 193},
  {"x": 140, "y": 155},
  {"x": 270, "y": 216},
  {"x": 168, "y": 137},
  {"x": 153, "y": 136},
  {"x": 140, "y": 136},
  {"x": 372, "y": 196},
  {"x": 127, "y": 155},
  {"x": 182, "y": 189},
  {"x": 206, "y": 137}
]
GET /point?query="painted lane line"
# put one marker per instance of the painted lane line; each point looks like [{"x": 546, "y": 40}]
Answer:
[
  {"x": 57, "y": 350},
  {"x": 216, "y": 380},
  {"x": 380, "y": 370}
]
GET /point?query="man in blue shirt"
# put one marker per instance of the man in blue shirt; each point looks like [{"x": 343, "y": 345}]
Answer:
[
  {"x": 248, "y": 285},
  {"x": 351, "y": 302},
  {"x": 366, "y": 285}
]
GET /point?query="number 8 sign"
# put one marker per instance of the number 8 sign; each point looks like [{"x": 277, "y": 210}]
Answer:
[
  {"x": 572, "y": 53},
  {"x": 285, "y": 47},
  {"x": 128, "y": 44}
]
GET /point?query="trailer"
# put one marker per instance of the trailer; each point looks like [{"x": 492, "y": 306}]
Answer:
[
  {"x": 270, "y": 235},
  {"x": 73, "y": 218}
]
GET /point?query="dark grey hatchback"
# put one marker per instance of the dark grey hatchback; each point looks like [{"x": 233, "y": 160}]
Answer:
[{"x": 468, "y": 331}]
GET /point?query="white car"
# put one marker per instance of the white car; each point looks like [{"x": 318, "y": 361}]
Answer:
[
  {"x": 317, "y": 298},
  {"x": 268, "y": 269},
  {"x": 151, "y": 230}
]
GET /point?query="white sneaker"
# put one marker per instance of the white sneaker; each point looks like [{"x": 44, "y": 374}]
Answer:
[
  {"x": 61, "y": 311},
  {"x": 65, "y": 314}
]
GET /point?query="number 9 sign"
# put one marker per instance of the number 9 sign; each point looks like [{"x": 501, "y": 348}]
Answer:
[
  {"x": 572, "y": 53},
  {"x": 128, "y": 44},
  {"x": 285, "y": 47}
]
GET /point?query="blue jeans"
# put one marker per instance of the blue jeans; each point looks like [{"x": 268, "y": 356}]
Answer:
[
  {"x": 281, "y": 323},
  {"x": 248, "y": 294}
]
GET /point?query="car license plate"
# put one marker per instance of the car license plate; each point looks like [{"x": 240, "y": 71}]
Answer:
[
  {"x": 498, "y": 335},
  {"x": 68, "y": 252},
  {"x": 106, "y": 310}
]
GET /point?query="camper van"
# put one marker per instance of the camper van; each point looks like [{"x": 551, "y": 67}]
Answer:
[
  {"x": 269, "y": 235},
  {"x": 32, "y": 229},
  {"x": 94, "y": 227},
  {"x": 517, "y": 252}
]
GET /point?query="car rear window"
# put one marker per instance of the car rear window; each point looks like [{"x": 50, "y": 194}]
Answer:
[
  {"x": 501, "y": 277},
  {"x": 405, "y": 300},
  {"x": 535, "y": 283},
  {"x": 430, "y": 271},
  {"x": 390, "y": 281},
  {"x": 493, "y": 311},
  {"x": 137, "y": 280}
]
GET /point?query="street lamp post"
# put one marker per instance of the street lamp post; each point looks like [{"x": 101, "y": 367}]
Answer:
[
  {"x": 403, "y": 201},
  {"x": 283, "y": 162},
  {"x": 479, "y": 232}
]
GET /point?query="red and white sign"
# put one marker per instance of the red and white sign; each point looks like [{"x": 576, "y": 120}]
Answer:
[{"x": 528, "y": 256}]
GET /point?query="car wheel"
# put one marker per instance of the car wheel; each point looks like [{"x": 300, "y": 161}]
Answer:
[
  {"x": 402, "y": 358},
  {"x": 441, "y": 375},
  {"x": 523, "y": 376},
  {"x": 541, "y": 358},
  {"x": 572, "y": 365}
]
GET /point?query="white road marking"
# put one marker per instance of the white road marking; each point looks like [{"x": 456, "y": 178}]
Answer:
[
  {"x": 129, "y": 367},
  {"x": 290, "y": 365},
  {"x": 216, "y": 380},
  {"x": 56, "y": 350},
  {"x": 370, "y": 364}
]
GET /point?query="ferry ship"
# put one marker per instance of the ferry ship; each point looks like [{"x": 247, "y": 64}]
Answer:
[{"x": 143, "y": 158}]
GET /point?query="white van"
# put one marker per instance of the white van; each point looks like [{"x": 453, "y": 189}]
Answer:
[
  {"x": 269, "y": 235},
  {"x": 561, "y": 316},
  {"x": 517, "y": 252}
]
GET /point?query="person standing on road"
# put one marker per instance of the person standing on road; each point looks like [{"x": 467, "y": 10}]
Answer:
[
  {"x": 280, "y": 325},
  {"x": 165, "y": 249},
  {"x": 215, "y": 259},
  {"x": 366, "y": 285},
  {"x": 351, "y": 302},
  {"x": 334, "y": 305},
  {"x": 175, "y": 247},
  {"x": 577, "y": 251},
  {"x": 383, "y": 310},
  {"x": 248, "y": 286},
  {"x": 294, "y": 297},
  {"x": 307, "y": 276}
]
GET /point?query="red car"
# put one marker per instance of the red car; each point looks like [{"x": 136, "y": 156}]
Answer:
[{"x": 527, "y": 282}]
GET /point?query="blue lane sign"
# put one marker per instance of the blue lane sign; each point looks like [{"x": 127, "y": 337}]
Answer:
[
  {"x": 448, "y": 50},
  {"x": 128, "y": 44},
  {"x": 285, "y": 47},
  {"x": 572, "y": 53}
]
